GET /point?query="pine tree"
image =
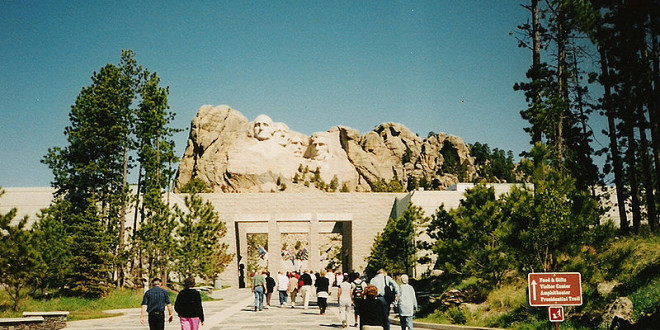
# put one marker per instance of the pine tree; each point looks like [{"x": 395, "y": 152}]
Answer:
[
  {"x": 20, "y": 260},
  {"x": 92, "y": 259},
  {"x": 93, "y": 166},
  {"x": 55, "y": 240},
  {"x": 199, "y": 250},
  {"x": 395, "y": 248}
]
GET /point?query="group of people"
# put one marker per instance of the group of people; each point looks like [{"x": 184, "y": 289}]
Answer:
[
  {"x": 188, "y": 306},
  {"x": 371, "y": 301}
]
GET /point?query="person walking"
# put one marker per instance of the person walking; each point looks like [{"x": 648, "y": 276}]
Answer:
[
  {"x": 322, "y": 291},
  {"x": 372, "y": 315},
  {"x": 154, "y": 302},
  {"x": 292, "y": 289},
  {"x": 344, "y": 295},
  {"x": 388, "y": 293},
  {"x": 189, "y": 306},
  {"x": 306, "y": 288},
  {"x": 258, "y": 288},
  {"x": 357, "y": 294},
  {"x": 270, "y": 288},
  {"x": 407, "y": 304},
  {"x": 282, "y": 287}
]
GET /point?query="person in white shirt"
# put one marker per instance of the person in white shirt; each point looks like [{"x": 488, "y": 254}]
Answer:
[
  {"x": 407, "y": 304},
  {"x": 345, "y": 301},
  {"x": 282, "y": 286},
  {"x": 330, "y": 275}
]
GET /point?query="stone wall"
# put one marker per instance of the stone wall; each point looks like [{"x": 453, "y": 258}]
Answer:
[
  {"x": 367, "y": 213},
  {"x": 36, "y": 321}
]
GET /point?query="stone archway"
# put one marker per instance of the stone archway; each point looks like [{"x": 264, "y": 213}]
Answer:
[{"x": 312, "y": 227}]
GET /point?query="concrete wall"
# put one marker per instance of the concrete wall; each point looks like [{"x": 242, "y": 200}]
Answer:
[
  {"x": 367, "y": 213},
  {"x": 363, "y": 215}
]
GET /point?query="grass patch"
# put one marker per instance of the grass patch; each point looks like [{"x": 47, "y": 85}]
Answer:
[
  {"x": 645, "y": 300},
  {"x": 81, "y": 308}
]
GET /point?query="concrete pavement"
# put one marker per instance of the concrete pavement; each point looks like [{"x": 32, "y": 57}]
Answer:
[{"x": 235, "y": 311}]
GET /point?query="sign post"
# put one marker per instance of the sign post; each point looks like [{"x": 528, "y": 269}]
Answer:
[{"x": 555, "y": 290}]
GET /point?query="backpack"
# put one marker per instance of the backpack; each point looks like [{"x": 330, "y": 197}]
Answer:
[
  {"x": 389, "y": 295},
  {"x": 358, "y": 291}
]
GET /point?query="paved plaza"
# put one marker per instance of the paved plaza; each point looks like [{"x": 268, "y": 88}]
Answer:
[{"x": 235, "y": 311}]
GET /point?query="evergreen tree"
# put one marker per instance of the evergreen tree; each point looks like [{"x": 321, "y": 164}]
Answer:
[
  {"x": 20, "y": 260},
  {"x": 123, "y": 111},
  {"x": 395, "y": 248},
  {"x": 155, "y": 242},
  {"x": 550, "y": 224},
  {"x": 93, "y": 166},
  {"x": 334, "y": 184},
  {"x": 54, "y": 238},
  {"x": 199, "y": 250},
  {"x": 195, "y": 186},
  {"x": 493, "y": 166},
  {"x": 92, "y": 259},
  {"x": 155, "y": 154}
]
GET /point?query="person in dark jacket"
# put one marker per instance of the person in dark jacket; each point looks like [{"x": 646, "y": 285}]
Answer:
[
  {"x": 189, "y": 306},
  {"x": 270, "y": 288},
  {"x": 322, "y": 291},
  {"x": 371, "y": 309}
]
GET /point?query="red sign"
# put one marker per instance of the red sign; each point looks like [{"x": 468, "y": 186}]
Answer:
[
  {"x": 556, "y": 313},
  {"x": 552, "y": 289}
]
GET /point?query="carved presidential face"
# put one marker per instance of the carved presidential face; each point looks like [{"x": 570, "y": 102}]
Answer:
[
  {"x": 319, "y": 148},
  {"x": 262, "y": 128},
  {"x": 280, "y": 133},
  {"x": 298, "y": 144}
]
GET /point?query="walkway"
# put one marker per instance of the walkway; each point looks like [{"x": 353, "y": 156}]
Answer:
[
  {"x": 233, "y": 312},
  {"x": 236, "y": 312}
]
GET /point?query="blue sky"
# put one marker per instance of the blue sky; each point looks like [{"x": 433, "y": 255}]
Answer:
[{"x": 442, "y": 66}]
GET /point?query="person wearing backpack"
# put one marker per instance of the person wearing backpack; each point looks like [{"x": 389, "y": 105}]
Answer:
[{"x": 357, "y": 294}]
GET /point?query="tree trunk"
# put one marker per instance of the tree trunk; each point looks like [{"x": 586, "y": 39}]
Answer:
[
  {"x": 562, "y": 79},
  {"x": 646, "y": 168},
  {"x": 137, "y": 200},
  {"x": 584, "y": 140},
  {"x": 122, "y": 221},
  {"x": 654, "y": 113},
  {"x": 536, "y": 63},
  {"x": 17, "y": 297},
  {"x": 614, "y": 149},
  {"x": 632, "y": 175}
]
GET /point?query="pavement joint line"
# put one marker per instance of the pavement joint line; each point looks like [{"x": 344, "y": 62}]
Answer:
[{"x": 225, "y": 314}]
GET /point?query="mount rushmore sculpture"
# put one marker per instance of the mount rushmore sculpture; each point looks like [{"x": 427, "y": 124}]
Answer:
[{"x": 231, "y": 154}]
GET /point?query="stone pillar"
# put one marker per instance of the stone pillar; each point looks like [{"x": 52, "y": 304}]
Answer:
[
  {"x": 274, "y": 247},
  {"x": 347, "y": 246},
  {"x": 241, "y": 253},
  {"x": 314, "y": 249}
]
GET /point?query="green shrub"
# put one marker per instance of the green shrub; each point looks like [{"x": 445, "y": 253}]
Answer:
[
  {"x": 511, "y": 296},
  {"x": 646, "y": 299},
  {"x": 456, "y": 315},
  {"x": 475, "y": 289}
]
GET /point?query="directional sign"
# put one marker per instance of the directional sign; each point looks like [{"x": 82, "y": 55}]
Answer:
[
  {"x": 556, "y": 313},
  {"x": 554, "y": 289}
]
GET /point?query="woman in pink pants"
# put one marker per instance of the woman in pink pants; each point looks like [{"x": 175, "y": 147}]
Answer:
[{"x": 189, "y": 306}]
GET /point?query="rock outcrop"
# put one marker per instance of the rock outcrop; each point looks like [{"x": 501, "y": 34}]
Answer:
[{"x": 231, "y": 154}]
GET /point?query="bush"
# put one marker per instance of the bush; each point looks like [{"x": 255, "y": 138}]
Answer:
[
  {"x": 645, "y": 299},
  {"x": 456, "y": 315}
]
